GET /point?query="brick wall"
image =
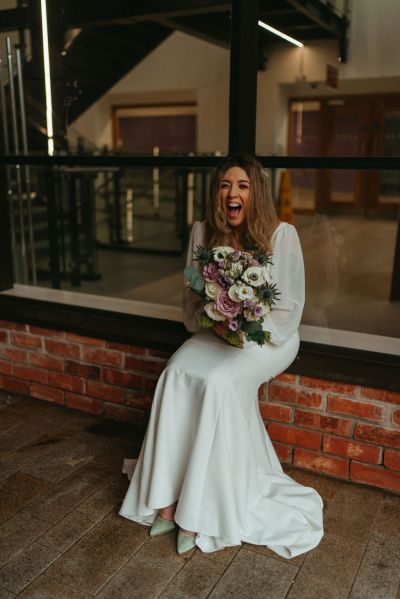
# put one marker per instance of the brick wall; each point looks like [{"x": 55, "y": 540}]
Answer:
[{"x": 338, "y": 429}]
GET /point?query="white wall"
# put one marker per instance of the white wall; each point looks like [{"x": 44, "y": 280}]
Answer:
[
  {"x": 181, "y": 69},
  {"x": 184, "y": 68}
]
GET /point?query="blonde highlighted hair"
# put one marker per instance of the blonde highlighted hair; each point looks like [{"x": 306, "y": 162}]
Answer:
[{"x": 261, "y": 217}]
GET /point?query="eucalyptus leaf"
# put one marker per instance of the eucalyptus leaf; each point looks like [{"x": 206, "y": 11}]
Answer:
[{"x": 194, "y": 280}]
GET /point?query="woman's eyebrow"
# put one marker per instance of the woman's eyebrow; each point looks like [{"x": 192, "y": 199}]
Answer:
[{"x": 240, "y": 181}]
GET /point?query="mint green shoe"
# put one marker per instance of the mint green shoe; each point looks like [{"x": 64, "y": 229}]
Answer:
[
  {"x": 161, "y": 526},
  {"x": 185, "y": 542}
]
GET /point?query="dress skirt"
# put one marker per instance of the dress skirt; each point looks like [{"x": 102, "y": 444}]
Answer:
[{"x": 206, "y": 447}]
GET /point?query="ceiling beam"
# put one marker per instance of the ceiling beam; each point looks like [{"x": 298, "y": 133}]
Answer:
[
  {"x": 322, "y": 15},
  {"x": 14, "y": 19},
  {"x": 215, "y": 33},
  {"x": 102, "y": 12}
]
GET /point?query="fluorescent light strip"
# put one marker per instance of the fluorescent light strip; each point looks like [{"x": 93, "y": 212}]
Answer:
[
  {"x": 47, "y": 80},
  {"x": 280, "y": 34}
]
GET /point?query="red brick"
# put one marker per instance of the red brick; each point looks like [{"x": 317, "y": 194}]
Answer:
[
  {"x": 284, "y": 452},
  {"x": 126, "y": 348},
  {"x": 375, "y": 476},
  {"x": 3, "y": 336},
  {"x": 107, "y": 392},
  {"x": 24, "y": 340},
  {"x": 286, "y": 377},
  {"x": 333, "y": 386},
  {"x": 16, "y": 326},
  {"x": 139, "y": 399},
  {"x": 392, "y": 459},
  {"x": 82, "y": 339},
  {"x": 294, "y": 436},
  {"x": 69, "y": 350},
  {"x": 45, "y": 332},
  {"x": 150, "y": 385},
  {"x": 47, "y": 393},
  {"x": 150, "y": 366},
  {"x": 14, "y": 354},
  {"x": 396, "y": 417},
  {"x": 124, "y": 414},
  {"x": 158, "y": 353},
  {"x": 67, "y": 382},
  {"x": 352, "y": 449},
  {"x": 5, "y": 367},
  {"x": 45, "y": 361},
  {"x": 375, "y": 434},
  {"x": 87, "y": 371},
  {"x": 271, "y": 411},
  {"x": 344, "y": 405},
  {"x": 86, "y": 404},
  {"x": 328, "y": 424},
  {"x": 321, "y": 463},
  {"x": 103, "y": 356},
  {"x": 30, "y": 374},
  {"x": 294, "y": 395},
  {"x": 381, "y": 395},
  {"x": 123, "y": 378},
  {"x": 11, "y": 384}
]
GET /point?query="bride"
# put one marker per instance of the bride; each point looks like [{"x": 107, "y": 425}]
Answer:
[{"x": 207, "y": 464}]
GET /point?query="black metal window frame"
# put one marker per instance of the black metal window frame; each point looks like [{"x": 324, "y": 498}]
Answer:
[{"x": 315, "y": 359}]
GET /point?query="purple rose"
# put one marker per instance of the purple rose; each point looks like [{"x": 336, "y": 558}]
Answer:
[
  {"x": 210, "y": 272},
  {"x": 226, "y": 306}
]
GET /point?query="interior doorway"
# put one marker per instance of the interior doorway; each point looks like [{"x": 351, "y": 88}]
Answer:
[{"x": 365, "y": 125}]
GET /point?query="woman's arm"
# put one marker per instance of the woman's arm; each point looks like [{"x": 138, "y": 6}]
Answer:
[
  {"x": 287, "y": 272},
  {"x": 190, "y": 301}
]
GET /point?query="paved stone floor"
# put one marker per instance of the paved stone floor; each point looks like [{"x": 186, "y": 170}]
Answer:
[{"x": 61, "y": 536}]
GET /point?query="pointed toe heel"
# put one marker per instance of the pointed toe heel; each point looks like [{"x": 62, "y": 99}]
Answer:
[
  {"x": 185, "y": 542},
  {"x": 161, "y": 526}
]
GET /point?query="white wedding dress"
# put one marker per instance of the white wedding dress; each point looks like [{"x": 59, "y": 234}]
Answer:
[{"x": 206, "y": 445}]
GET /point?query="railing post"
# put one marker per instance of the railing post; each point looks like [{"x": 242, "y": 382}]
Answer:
[{"x": 54, "y": 257}]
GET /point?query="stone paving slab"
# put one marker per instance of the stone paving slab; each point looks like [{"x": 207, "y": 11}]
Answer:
[
  {"x": 26, "y": 566},
  {"x": 195, "y": 580},
  {"x": 47, "y": 588},
  {"x": 67, "y": 531},
  {"x": 17, "y": 533},
  {"x": 17, "y": 491},
  {"x": 99, "y": 554},
  {"x": 148, "y": 572},
  {"x": 61, "y": 536},
  {"x": 70, "y": 492},
  {"x": 378, "y": 576},
  {"x": 255, "y": 576}
]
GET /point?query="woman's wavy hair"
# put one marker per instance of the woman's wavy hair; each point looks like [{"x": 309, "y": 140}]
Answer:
[{"x": 261, "y": 217}]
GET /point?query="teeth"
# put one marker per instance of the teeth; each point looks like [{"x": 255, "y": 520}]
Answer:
[{"x": 230, "y": 205}]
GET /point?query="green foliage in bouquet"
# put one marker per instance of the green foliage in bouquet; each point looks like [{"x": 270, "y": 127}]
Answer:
[
  {"x": 254, "y": 332},
  {"x": 205, "y": 321},
  {"x": 233, "y": 338},
  {"x": 194, "y": 280},
  {"x": 203, "y": 255}
]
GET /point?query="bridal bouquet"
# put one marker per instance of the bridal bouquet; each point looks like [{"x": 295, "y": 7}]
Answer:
[{"x": 236, "y": 290}]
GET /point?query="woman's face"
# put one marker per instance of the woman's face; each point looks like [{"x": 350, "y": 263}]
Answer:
[{"x": 234, "y": 195}]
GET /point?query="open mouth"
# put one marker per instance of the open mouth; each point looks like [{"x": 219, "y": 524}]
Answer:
[{"x": 233, "y": 209}]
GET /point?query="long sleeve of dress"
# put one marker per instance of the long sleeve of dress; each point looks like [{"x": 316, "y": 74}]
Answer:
[
  {"x": 191, "y": 302},
  {"x": 287, "y": 272}
]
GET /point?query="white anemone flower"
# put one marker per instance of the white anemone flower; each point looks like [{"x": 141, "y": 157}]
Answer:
[
  {"x": 221, "y": 252},
  {"x": 212, "y": 289},
  {"x": 256, "y": 276},
  {"x": 211, "y": 310},
  {"x": 240, "y": 292}
]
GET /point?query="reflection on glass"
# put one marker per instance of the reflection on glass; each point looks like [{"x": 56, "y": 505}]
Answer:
[
  {"x": 304, "y": 141},
  {"x": 389, "y": 181}
]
